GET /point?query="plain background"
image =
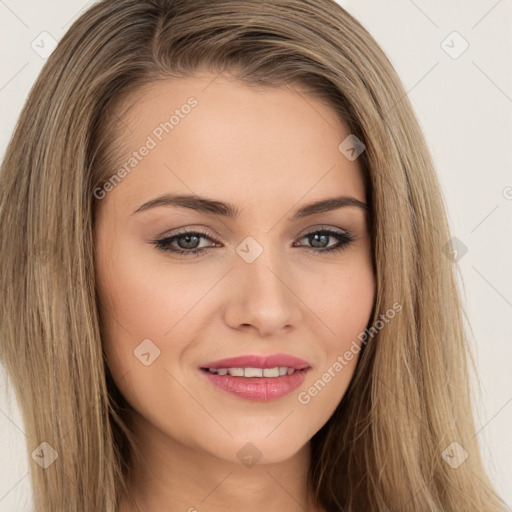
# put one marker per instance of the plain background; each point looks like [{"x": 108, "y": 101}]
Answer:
[{"x": 463, "y": 100}]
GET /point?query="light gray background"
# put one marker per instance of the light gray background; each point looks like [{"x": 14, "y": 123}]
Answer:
[{"x": 464, "y": 105}]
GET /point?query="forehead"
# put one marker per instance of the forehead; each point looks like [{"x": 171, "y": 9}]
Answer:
[{"x": 215, "y": 134}]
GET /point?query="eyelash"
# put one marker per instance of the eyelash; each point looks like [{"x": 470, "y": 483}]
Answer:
[{"x": 164, "y": 244}]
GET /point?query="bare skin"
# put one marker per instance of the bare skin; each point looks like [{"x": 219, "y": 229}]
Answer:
[{"x": 267, "y": 152}]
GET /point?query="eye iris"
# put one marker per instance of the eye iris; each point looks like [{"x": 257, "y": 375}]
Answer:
[
  {"x": 188, "y": 244},
  {"x": 314, "y": 239}
]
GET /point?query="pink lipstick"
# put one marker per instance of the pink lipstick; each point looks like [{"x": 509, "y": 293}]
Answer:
[{"x": 257, "y": 377}]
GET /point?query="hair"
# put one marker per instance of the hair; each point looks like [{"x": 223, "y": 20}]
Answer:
[{"x": 409, "y": 397}]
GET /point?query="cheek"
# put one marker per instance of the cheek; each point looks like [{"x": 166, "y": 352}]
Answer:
[
  {"x": 342, "y": 301},
  {"x": 146, "y": 306},
  {"x": 346, "y": 312},
  {"x": 140, "y": 297},
  {"x": 138, "y": 309}
]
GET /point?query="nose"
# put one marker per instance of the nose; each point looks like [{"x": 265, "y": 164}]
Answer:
[{"x": 262, "y": 296}]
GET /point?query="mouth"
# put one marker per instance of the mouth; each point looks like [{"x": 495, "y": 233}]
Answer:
[{"x": 257, "y": 377}]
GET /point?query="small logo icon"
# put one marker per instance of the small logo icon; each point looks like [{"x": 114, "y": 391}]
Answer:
[
  {"x": 454, "y": 455},
  {"x": 249, "y": 249},
  {"x": 454, "y": 45},
  {"x": 249, "y": 455},
  {"x": 351, "y": 147},
  {"x": 454, "y": 249},
  {"x": 146, "y": 352},
  {"x": 45, "y": 455},
  {"x": 44, "y": 44}
]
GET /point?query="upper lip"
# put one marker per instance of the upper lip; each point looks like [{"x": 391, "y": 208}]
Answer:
[{"x": 259, "y": 361}]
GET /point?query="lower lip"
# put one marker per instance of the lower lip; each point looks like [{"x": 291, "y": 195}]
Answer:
[{"x": 261, "y": 389}]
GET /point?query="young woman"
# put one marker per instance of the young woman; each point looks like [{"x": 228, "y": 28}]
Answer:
[{"x": 223, "y": 279}]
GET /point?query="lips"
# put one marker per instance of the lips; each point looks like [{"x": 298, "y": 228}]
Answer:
[{"x": 248, "y": 377}]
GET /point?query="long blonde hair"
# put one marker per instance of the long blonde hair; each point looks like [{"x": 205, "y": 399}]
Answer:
[{"x": 408, "y": 400}]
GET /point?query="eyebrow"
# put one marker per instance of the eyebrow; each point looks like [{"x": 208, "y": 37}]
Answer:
[{"x": 230, "y": 211}]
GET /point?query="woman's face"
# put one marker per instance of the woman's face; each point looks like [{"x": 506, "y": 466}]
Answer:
[{"x": 266, "y": 286}]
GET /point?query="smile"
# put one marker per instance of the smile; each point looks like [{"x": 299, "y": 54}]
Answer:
[{"x": 257, "y": 377}]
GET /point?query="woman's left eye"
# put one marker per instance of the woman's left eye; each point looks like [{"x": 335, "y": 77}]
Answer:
[{"x": 188, "y": 242}]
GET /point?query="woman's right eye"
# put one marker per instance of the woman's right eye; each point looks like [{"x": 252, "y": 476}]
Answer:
[{"x": 188, "y": 245}]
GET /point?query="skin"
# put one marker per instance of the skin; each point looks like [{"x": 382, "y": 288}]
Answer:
[{"x": 268, "y": 151}]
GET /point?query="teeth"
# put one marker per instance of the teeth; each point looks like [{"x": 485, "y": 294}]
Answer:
[
  {"x": 253, "y": 372},
  {"x": 278, "y": 371}
]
